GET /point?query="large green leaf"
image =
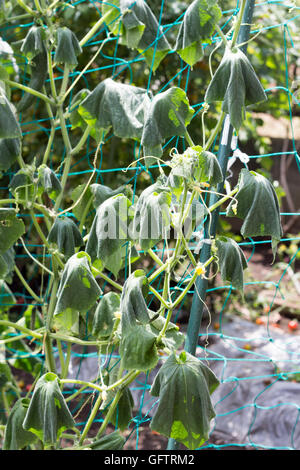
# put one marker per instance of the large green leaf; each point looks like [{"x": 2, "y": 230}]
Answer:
[
  {"x": 236, "y": 84},
  {"x": 15, "y": 437},
  {"x": 109, "y": 230},
  {"x": 68, "y": 48},
  {"x": 231, "y": 261},
  {"x": 76, "y": 117},
  {"x": 184, "y": 385},
  {"x": 65, "y": 234},
  {"x": 198, "y": 24},
  {"x": 11, "y": 228},
  {"x": 258, "y": 206},
  {"x": 9, "y": 152},
  {"x": 151, "y": 221},
  {"x": 104, "y": 317},
  {"x": 138, "y": 342},
  {"x": 138, "y": 29},
  {"x": 102, "y": 192},
  {"x": 48, "y": 414},
  {"x": 173, "y": 338},
  {"x": 78, "y": 291},
  {"x": 168, "y": 115},
  {"x": 118, "y": 106}
]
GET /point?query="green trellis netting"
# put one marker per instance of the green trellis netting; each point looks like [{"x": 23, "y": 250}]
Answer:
[{"x": 257, "y": 404}]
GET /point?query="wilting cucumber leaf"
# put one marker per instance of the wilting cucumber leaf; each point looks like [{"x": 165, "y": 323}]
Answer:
[
  {"x": 109, "y": 230},
  {"x": 33, "y": 43},
  {"x": 84, "y": 206},
  {"x": 138, "y": 343},
  {"x": 23, "y": 185},
  {"x": 152, "y": 215},
  {"x": 236, "y": 84},
  {"x": 198, "y": 24},
  {"x": 11, "y": 228},
  {"x": 133, "y": 305},
  {"x": 138, "y": 29},
  {"x": 168, "y": 115},
  {"x": 77, "y": 292},
  {"x": 184, "y": 385},
  {"x": 9, "y": 151},
  {"x": 197, "y": 165},
  {"x": 48, "y": 414},
  {"x": 9, "y": 127},
  {"x": 7, "y": 262},
  {"x": 15, "y": 437},
  {"x": 116, "y": 261},
  {"x": 258, "y": 206},
  {"x": 112, "y": 441},
  {"x": 118, "y": 106},
  {"x": 231, "y": 261},
  {"x": 65, "y": 234},
  {"x": 48, "y": 182},
  {"x": 104, "y": 317},
  {"x": 68, "y": 48},
  {"x": 102, "y": 192}
]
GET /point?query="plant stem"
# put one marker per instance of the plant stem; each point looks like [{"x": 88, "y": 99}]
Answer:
[
  {"x": 238, "y": 23},
  {"x": 51, "y": 77},
  {"x": 215, "y": 132},
  {"x": 223, "y": 199},
  {"x": 82, "y": 141},
  {"x": 222, "y": 35},
  {"x": 29, "y": 90},
  {"x": 27, "y": 331},
  {"x": 26, "y": 285},
  {"x": 94, "y": 29},
  {"x": 27, "y": 8},
  {"x": 91, "y": 418}
]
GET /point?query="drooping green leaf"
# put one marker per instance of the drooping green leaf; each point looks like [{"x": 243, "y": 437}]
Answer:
[
  {"x": 104, "y": 317},
  {"x": 7, "y": 262},
  {"x": 9, "y": 152},
  {"x": 15, "y": 437},
  {"x": 76, "y": 118},
  {"x": 9, "y": 127},
  {"x": 65, "y": 234},
  {"x": 126, "y": 254},
  {"x": 118, "y": 106},
  {"x": 232, "y": 261},
  {"x": 23, "y": 185},
  {"x": 102, "y": 192},
  {"x": 78, "y": 291},
  {"x": 68, "y": 48},
  {"x": 258, "y": 206},
  {"x": 33, "y": 43},
  {"x": 34, "y": 49},
  {"x": 236, "y": 84},
  {"x": 138, "y": 343},
  {"x": 184, "y": 385},
  {"x": 133, "y": 305},
  {"x": 48, "y": 182},
  {"x": 11, "y": 228},
  {"x": 48, "y": 414},
  {"x": 168, "y": 115},
  {"x": 151, "y": 221},
  {"x": 138, "y": 29},
  {"x": 198, "y": 24},
  {"x": 109, "y": 231},
  {"x": 112, "y": 441}
]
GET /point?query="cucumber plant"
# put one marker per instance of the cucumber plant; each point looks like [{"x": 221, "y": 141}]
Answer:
[{"x": 89, "y": 241}]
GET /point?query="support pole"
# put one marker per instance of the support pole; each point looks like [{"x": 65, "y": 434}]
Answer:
[{"x": 199, "y": 296}]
